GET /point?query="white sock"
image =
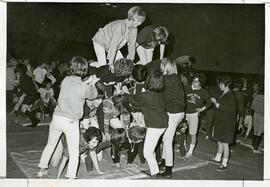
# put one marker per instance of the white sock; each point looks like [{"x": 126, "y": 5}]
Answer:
[
  {"x": 191, "y": 147},
  {"x": 224, "y": 162},
  {"x": 218, "y": 157}
]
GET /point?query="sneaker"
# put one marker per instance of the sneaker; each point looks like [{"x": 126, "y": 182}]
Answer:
[
  {"x": 222, "y": 168},
  {"x": 42, "y": 172},
  {"x": 213, "y": 161},
  {"x": 188, "y": 155}
]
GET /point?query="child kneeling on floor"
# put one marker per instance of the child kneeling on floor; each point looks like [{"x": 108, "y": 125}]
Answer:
[
  {"x": 88, "y": 142},
  {"x": 121, "y": 140}
]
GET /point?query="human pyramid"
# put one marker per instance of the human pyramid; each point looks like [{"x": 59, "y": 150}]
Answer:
[{"x": 115, "y": 104}]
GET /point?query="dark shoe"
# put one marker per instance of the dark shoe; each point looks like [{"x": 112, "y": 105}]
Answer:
[
  {"x": 32, "y": 118},
  {"x": 146, "y": 172},
  {"x": 166, "y": 175},
  {"x": 142, "y": 161},
  {"x": 213, "y": 161},
  {"x": 222, "y": 168},
  {"x": 34, "y": 124},
  {"x": 161, "y": 165}
]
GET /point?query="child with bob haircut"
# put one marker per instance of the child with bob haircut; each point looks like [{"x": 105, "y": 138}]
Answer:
[
  {"x": 148, "y": 39},
  {"x": 175, "y": 108},
  {"x": 116, "y": 34},
  {"x": 88, "y": 142},
  {"x": 66, "y": 115},
  {"x": 225, "y": 122},
  {"x": 152, "y": 104}
]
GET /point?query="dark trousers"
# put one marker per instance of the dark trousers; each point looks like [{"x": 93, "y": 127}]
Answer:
[
  {"x": 133, "y": 150},
  {"x": 180, "y": 142}
]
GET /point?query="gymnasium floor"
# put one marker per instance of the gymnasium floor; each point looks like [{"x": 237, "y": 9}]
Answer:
[{"x": 24, "y": 146}]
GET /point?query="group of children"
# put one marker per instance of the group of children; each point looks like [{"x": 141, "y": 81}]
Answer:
[{"x": 118, "y": 105}]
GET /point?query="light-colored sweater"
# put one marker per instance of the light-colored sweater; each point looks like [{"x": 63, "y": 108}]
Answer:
[
  {"x": 72, "y": 97},
  {"x": 258, "y": 104},
  {"x": 114, "y": 36}
]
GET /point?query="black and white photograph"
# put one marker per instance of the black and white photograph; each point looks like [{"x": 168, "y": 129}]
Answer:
[{"x": 135, "y": 91}]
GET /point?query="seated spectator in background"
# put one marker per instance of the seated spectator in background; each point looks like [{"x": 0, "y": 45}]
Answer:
[
  {"x": 29, "y": 66},
  {"x": 10, "y": 74},
  {"x": 59, "y": 74},
  {"x": 12, "y": 82},
  {"x": 116, "y": 34},
  {"x": 148, "y": 39},
  {"x": 40, "y": 72},
  {"x": 237, "y": 87},
  {"x": 89, "y": 140},
  {"x": 258, "y": 119},
  {"x": 47, "y": 100},
  {"x": 28, "y": 94}
]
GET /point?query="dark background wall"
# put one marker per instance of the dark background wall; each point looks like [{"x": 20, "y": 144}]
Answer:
[{"x": 227, "y": 38}]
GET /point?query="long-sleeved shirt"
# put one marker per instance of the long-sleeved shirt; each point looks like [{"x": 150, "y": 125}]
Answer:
[
  {"x": 258, "y": 104},
  {"x": 146, "y": 37},
  {"x": 27, "y": 85},
  {"x": 114, "y": 36},
  {"x": 196, "y": 99},
  {"x": 152, "y": 105},
  {"x": 240, "y": 102},
  {"x": 174, "y": 94},
  {"x": 72, "y": 97}
]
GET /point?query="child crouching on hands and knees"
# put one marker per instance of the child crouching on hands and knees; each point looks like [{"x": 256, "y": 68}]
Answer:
[
  {"x": 88, "y": 142},
  {"x": 130, "y": 140},
  {"x": 66, "y": 116}
]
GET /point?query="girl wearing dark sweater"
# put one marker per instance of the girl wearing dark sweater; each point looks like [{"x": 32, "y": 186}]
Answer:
[
  {"x": 175, "y": 107},
  {"x": 148, "y": 39},
  {"x": 152, "y": 104},
  {"x": 198, "y": 100}
]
